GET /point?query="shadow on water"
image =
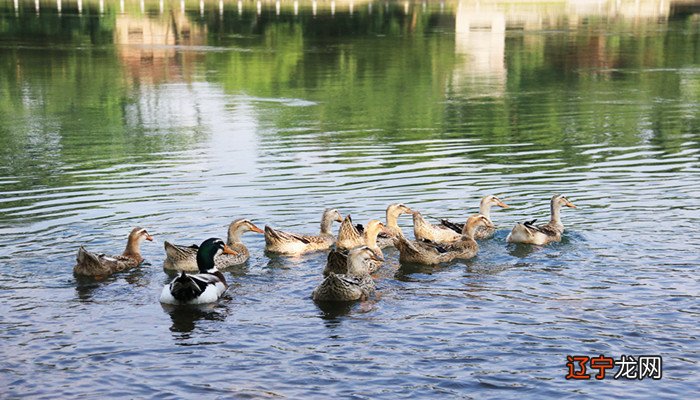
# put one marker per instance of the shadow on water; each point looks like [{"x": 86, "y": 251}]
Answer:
[
  {"x": 185, "y": 318},
  {"x": 523, "y": 250},
  {"x": 407, "y": 269},
  {"x": 87, "y": 285},
  {"x": 331, "y": 310}
]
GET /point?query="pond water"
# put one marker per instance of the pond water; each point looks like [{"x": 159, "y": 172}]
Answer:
[{"x": 182, "y": 116}]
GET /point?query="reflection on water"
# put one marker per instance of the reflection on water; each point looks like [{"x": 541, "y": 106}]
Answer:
[
  {"x": 183, "y": 115},
  {"x": 185, "y": 318}
]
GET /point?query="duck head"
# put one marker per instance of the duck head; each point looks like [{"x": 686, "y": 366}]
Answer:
[
  {"x": 560, "y": 200},
  {"x": 489, "y": 201},
  {"x": 139, "y": 234},
  {"x": 359, "y": 259},
  {"x": 474, "y": 222},
  {"x": 394, "y": 211},
  {"x": 374, "y": 227},
  {"x": 209, "y": 249},
  {"x": 133, "y": 244},
  {"x": 492, "y": 200},
  {"x": 330, "y": 215},
  {"x": 239, "y": 227}
]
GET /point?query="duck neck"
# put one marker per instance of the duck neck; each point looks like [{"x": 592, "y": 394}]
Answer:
[
  {"x": 371, "y": 237},
  {"x": 326, "y": 224},
  {"x": 205, "y": 261},
  {"x": 485, "y": 208},
  {"x": 392, "y": 219},
  {"x": 469, "y": 230},
  {"x": 133, "y": 249},
  {"x": 555, "y": 209},
  {"x": 234, "y": 235}
]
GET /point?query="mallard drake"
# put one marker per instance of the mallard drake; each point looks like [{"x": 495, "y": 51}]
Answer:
[
  {"x": 100, "y": 265},
  {"x": 429, "y": 253},
  {"x": 205, "y": 287},
  {"x": 356, "y": 284},
  {"x": 530, "y": 233},
  {"x": 338, "y": 258},
  {"x": 484, "y": 209},
  {"x": 184, "y": 258},
  {"x": 294, "y": 244}
]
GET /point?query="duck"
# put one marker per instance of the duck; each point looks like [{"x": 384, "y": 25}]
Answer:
[
  {"x": 429, "y": 253},
  {"x": 338, "y": 257},
  {"x": 101, "y": 265},
  {"x": 281, "y": 242},
  {"x": 484, "y": 209},
  {"x": 425, "y": 231},
  {"x": 529, "y": 233},
  {"x": 356, "y": 284},
  {"x": 184, "y": 258},
  {"x": 349, "y": 236},
  {"x": 205, "y": 287},
  {"x": 391, "y": 229}
]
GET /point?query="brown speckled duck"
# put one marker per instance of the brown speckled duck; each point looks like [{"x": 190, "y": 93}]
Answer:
[
  {"x": 529, "y": 233},
  {"x": 184, "y": 258},
  {"x": 349, "y": 236},
  {"x": 356, "y": 284},
  {"x": 101, "y": 265},
  {"x": 338, "y": 258},
  {"x": 287, "y": 243},
  {"x": 484, "y": 209},
  {"x": 391, "y": 228},
  {"x": 424, "y": 230},
  {"x": 428, "y": 253}
]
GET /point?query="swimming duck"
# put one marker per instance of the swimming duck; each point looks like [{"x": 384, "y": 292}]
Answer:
[
  {"x": 356, "y": 284},
  {"x": 349, "y": 236},
  {"x": 484, "y": 209},
  {"x": 530, "y": 233},
  {"x": 391, "y": 228},
  {"x": 100, "y": 265},
  {"x": 429, "y": 253},
  {"x": 338, "y": 258},
  {"x": 184, "y": 258},
  {"x": 205, "y": 287},
  {"x": 294, "y": 244},
  {"x": 425, "y": 231}
]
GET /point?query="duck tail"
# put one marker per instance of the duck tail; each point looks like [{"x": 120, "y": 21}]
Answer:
[
  {"x": 176, "y": 251},
  {"x": 274, "y": 236},
  {"x": 86, "y": 263},
  {"x": 454, "y": 226},
  {"x": 85, "y": 257},
  {"x": 184, "y": 288}
]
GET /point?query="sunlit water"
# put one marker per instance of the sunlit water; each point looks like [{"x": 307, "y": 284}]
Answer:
[{"x": 181, "y": 122}]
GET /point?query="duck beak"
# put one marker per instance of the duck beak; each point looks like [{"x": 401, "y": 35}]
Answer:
[
  {"x": 256, "y": 229},
  {"x": 570, "y": 205},
  {"x": 377, "y": 257},
  {"x": 502, "y": 204},
  {"x": 229, "y": 250},
  {"x": 149, "y": 238}
]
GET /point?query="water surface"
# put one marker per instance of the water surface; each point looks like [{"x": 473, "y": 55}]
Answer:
[{"x": 181, "y": 119}]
